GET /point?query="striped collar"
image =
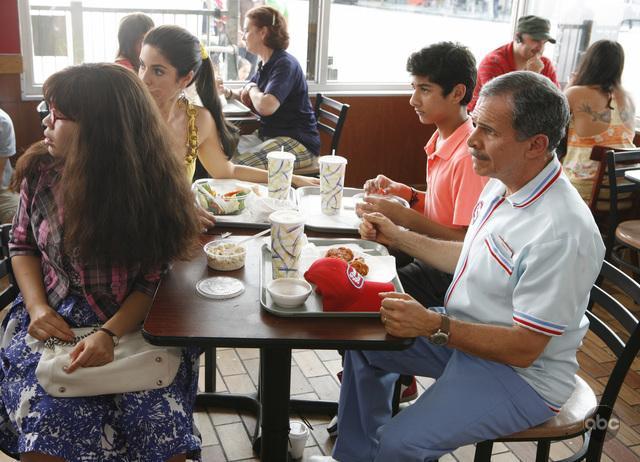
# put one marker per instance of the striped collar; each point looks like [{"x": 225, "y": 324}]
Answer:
[{"x": 535, "y": 188}]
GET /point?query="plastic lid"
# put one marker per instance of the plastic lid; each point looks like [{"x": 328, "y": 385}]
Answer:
[
  {"x": 220, "y": 287},
  {"x": 287, "y": 217},
  {"x": 281, "y": 155},
  {"x": 332, "y": 159}
]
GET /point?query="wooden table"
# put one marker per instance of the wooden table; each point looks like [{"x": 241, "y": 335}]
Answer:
[{"x": 179, "y": 316}]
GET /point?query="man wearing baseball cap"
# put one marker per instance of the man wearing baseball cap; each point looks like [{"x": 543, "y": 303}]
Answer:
[
  {"x": 523, "y": 54},
  {"x": 502, "y": 349}
]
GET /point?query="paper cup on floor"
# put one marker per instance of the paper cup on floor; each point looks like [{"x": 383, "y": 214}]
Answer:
[
  {"x": 280, "y": 165},
  {"x": 287, "y": 241},
  {"x": 298, "y": 434},
  {"x": 332, "y": 170}
]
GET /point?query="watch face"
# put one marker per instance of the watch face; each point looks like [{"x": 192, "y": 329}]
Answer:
[{"x": 439, "y": 338}]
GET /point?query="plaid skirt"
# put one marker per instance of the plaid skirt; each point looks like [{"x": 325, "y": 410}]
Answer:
[{"x": 253, "y": 150}]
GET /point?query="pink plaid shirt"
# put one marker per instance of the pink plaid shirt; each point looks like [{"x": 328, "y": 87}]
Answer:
[{"x": 37, "y": 231}]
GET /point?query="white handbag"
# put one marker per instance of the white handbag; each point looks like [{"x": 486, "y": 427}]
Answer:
[{"x": 136, "y": 366}]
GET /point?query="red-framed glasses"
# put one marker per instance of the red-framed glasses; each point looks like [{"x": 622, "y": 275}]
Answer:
[{"x": 44, "y": 109}]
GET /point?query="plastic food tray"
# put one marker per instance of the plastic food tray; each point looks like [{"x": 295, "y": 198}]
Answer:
[
  {"x": 313, "y": 306},
  {"x": 245, "y": 219},
  {"x": 235, "y": 108},
  {"x": 345, "y": 222}
]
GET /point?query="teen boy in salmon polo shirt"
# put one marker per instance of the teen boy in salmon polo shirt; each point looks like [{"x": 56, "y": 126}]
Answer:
[{"x": 443, "y": 78}]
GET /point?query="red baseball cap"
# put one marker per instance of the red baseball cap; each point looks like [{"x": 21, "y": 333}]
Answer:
[{"x": 343, "y": 288}]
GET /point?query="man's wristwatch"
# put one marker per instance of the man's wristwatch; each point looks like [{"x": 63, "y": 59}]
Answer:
[
  {"x": 441, "y": 336},
  {"x": 110, "y": 333}
]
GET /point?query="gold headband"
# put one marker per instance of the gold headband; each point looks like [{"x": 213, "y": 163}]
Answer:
[{"x": 203, "y": 52}]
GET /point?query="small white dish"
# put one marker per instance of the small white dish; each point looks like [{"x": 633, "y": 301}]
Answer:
[{"x": 289, "y": 292}]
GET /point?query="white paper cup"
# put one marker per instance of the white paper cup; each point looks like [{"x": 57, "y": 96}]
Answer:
[
  {"x": 280, "y": 173},
  {"x": 332, "y": 170},
  {"x": 298, "y": 435},
  {"x": 287, "y": 241}
]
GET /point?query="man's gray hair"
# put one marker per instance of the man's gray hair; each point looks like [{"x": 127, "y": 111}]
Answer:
[{"x": 538, "y": 106}]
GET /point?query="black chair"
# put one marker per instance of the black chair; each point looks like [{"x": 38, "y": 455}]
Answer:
[
  {"x": 621, "y": 234},
  {"x": 331, "y": 115},
  {"x": 577, "y": 416}
]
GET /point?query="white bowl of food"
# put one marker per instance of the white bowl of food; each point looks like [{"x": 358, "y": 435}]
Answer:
[
  {"x": 289, "y": 292},
  {"x": 225, "y": 256}
]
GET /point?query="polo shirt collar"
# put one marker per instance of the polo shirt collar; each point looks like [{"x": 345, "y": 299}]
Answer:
[
  {"x": 272, "y": 59},
  {"x": 451, "y": 144},
  {"x": 536, "y": 188}
]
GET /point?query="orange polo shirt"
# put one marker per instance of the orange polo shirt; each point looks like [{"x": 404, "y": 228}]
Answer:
[{"x": 452, "y": 185}]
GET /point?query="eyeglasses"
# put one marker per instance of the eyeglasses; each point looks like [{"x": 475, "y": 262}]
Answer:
[{"x": 44, "y": 109}]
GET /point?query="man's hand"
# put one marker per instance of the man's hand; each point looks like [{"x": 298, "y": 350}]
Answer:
[
  {"x": 46, "y": 323},
  {"x": 534, "y": 64},
  {"x": 383, "y": 185},
  {"x": 403, "y": 316},
  {"x": 390, "y": 209},
  {"x": 95, "y": 350},
  {"x": 377, "y": 227}
]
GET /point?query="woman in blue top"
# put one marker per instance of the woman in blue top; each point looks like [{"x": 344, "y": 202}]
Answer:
[{"x": 278, "y": 93}]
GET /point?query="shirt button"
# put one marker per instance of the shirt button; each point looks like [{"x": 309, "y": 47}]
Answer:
[
  {"x": 62, "y": 389},
  {"x": 159, "y": 359}
]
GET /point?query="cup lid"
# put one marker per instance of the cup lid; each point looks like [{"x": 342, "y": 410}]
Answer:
[
  {"x": 332, "y": 159},
  {"x": 286, "y": 217},
  {"x": 281, "y": 155},
  {"x": 220, "y": 287}
]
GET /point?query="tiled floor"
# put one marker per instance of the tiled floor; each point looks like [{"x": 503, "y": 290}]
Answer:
[{"x": 226, "y": 434}]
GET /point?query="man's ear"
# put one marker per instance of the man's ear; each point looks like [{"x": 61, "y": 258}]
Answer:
[
  {"x": 538, "y": 146},
  {"x": 518, "y": 37},
  {"x": 458, "y": 92}
]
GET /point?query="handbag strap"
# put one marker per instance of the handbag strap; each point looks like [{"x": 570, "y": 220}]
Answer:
[{"x": 51, "y": 342}]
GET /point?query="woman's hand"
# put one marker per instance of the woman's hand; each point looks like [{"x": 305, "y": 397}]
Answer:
[
  {"x": 245, "y": 98},
  {"x": 299, "y": 180},
  {"x": 207, "y": 219},
  {"x": 46, "y": 323},
  {"x": 95, "y": 350},
  {"x": 383, "y": 185}
]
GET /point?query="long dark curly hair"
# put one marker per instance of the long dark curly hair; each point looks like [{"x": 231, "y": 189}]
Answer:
[{"x": 125, "y": 195}]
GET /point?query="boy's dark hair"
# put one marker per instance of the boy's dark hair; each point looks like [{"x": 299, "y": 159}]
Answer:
[{"x": 446, "y": 64}]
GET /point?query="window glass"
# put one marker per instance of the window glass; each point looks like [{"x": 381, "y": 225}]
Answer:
[
  {"x": 578, "y": 23},
  {"x": 63, "y": 32},
  {"x": 370, "y": 40}
]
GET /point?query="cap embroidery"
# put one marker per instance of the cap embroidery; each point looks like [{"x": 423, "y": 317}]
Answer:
[{"x": 355, "y": 278}]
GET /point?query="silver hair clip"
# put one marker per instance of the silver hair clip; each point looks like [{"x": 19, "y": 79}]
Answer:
[{"x": 273, "y": 20}]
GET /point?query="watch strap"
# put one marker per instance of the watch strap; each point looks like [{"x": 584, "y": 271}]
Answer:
[
  {"x": 110, "y": 333},
  {"x": 445, "y": 324}
]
